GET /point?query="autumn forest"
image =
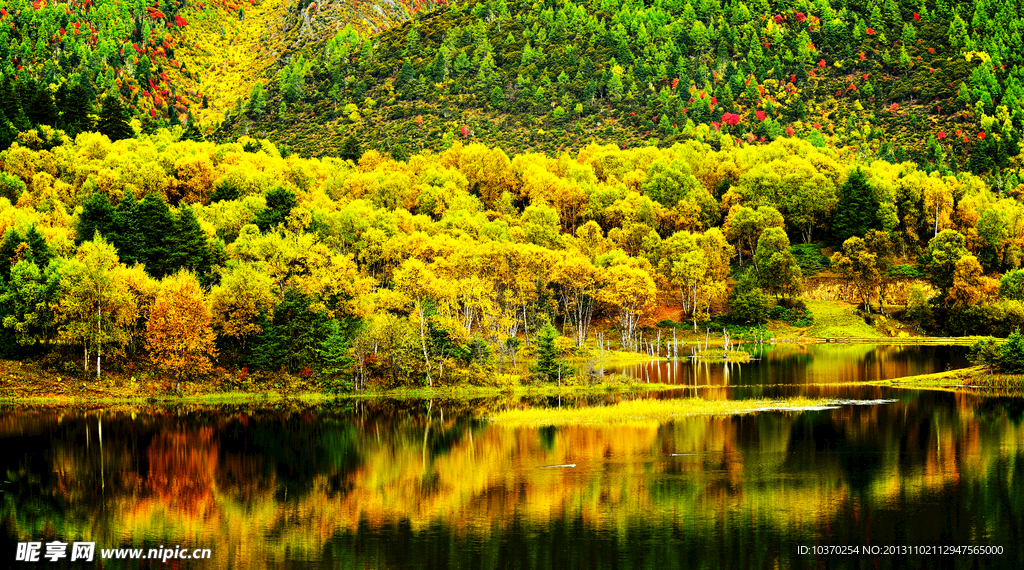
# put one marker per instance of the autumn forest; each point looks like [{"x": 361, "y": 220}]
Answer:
[{"x": 476, "y": 193}]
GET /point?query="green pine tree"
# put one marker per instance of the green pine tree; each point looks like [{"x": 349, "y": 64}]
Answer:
[
  {"x": 192, "y": 132},
  {"x": 8, "y": 251},
  {"x": 257, "y": 100},
  {"x": 335, "y": 355},
  {"x": 407, "y": 74},
  {"x": 189, "y": 247},
  {"x": 41, "y": 253},
  {"x": 155, "y": 224},
  {"x": 40, "y": 109},
  {"x": 412, "y": 42},
  {"x": 127, "y": 238},
  {"x": 548, "y": 364},
  {"x": 97, "y": 216},
  {"x": 351, "y": 150},
  {"x": 113, "y": 120},
  {"x": 75, "y": 106},
  {"x": 8, "y": 133},
  {"x": 857, "y": 210},
  {"x": 487, "y": 74},
  {"x": 280, "y": 202},
  {"x": 10, "y": 104}
]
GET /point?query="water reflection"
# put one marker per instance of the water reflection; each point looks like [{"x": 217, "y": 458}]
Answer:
[
  {"x": 803, "y": 364},
  {"x": 430, "y": 485}
]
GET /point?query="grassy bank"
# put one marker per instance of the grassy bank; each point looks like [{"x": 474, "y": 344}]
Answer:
[
  {"x": 950, "y": 379},
  {"x": 645, "y": 411},
  {"x": 482, "y": 391},
  {"x": 26, "y": 381},
  {"x": 29, "y": 383},
  {"x": 719, "y": 355},
  {"x": 974, "y": 377}
]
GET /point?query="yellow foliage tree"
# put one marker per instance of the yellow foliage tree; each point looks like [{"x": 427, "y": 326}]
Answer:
[
  {"x": 970, "y": 285},
  {"x": 419, "y": 282},
  {"x": 632, "y": 292},
  {"x": 244, "y": 293},
  {"x": 579, "y": 282},
  {"x": 97, "y": 307},
  {"x": 179, "y": 334}
]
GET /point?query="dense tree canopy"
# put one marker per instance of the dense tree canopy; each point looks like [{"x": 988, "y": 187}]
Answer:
[{"x": 426, "y": 269}]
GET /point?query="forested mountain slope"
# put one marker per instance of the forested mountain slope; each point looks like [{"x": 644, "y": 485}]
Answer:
[
  {"x": 935, "y": 82},
  {"x": 166, "y": 61}
]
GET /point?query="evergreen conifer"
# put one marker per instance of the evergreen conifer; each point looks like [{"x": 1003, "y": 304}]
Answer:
[
  {"x": 280, "y": 202},
  {"x": 155, "y": 225},
  {"x": 857, "y": 210},
  {"x": 41, "y": 253},
  {"x": 548, "y": 363},
  {"x": 97, "y": 216},
  {"x": 113, "y": 120},
  {"x": 188, "y": 245}
]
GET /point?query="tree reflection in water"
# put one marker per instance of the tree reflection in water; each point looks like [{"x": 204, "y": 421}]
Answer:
[{"x": 409, "y": 484}]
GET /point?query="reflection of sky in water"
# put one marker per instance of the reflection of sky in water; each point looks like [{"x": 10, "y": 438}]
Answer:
[
  {"x": 429, "y": 485},
  {"x": 804, "y": 364}
]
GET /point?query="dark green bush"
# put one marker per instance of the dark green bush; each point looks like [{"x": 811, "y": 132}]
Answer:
[
  {"x": 793, "y": 311},
  {"x": 809, "y": 258},
  {"x": 1006, "y": 359},
  {"x": 750, "y": 306}
]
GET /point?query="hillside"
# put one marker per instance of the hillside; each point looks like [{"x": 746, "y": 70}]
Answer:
[
  {"x": 936, "y": 83},
  {"x": 899, "y": 81},
  {"x": 169, "y": 62}
]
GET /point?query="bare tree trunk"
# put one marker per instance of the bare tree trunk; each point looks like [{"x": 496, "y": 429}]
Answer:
[
  {"x": 423, "y": 342},
  {"x": 526, "y": 326},
  {"x": 99, "y": 351}
]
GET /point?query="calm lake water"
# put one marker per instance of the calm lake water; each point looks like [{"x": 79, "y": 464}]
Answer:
[
  {"x": 410, "y": 484},
  {"x": 798, "y": 365}
]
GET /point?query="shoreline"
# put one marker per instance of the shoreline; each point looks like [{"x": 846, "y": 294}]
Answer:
[
  {"x": 115, "y": 389},
  {"x": 424, "y": 393}
]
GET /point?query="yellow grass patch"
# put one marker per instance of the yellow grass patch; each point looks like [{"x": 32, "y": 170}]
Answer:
[
  {"x": 644, "y": 411},
  {"x": 230, "y": 54}
]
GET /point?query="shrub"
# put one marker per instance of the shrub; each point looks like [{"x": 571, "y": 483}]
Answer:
[
  {"x": 919, "y": 309},
  {"x": 1011, "y": 354},
  {"x": 809, "y": 257},
  {"x": 903, "y": 272},
  {"x": 793, "y": 311},
  {"x": 1006, "y": 359},
  {"x": 985, "y": 352},
  {"x": 749, "y": 306}
]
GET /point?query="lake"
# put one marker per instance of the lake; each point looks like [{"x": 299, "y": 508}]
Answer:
[
  {"x": 803, "y": 364},
  {"x": 432, "y": 484}
]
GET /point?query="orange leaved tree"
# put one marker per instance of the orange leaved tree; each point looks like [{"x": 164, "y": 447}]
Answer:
[{"x": 179, "y": 334}]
